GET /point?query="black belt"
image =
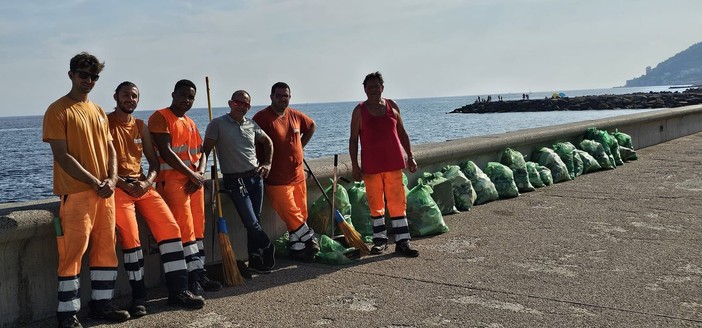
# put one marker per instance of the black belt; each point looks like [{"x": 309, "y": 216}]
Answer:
[{"x": 247, "y": 174}]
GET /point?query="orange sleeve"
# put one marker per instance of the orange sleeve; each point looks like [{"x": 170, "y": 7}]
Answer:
[
  {"x": 158, "y": 124},
  {"x": 54, "y": 126}
]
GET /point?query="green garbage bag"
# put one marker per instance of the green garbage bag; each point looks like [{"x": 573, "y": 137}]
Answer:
[
  {"x": 624, "y": 140},
  {"x": 515, "y": 161},
  {"x": 545, "y": 174},
  {"x": 598, "y": 152},
  {"x": 609, "y": 143},
  {"x": 484, "y": 188},
  {"x": 534, "y": 177},
  {"x": 319, "y": 218},
  {"x": 442, "y": 191},
  {"x": 548, "y": 158},
  {"x": 503, "y": 178},
  {"x": 590, "y": 164},
  {"x": 627, "y": 154},
  {"x": 360, "y": 212},
  {"x": 565, "y": 150},
  {"x": 463, "y": 193},
  {"x": 332, "y": 252},
  {"x": 423, "y": 215}
]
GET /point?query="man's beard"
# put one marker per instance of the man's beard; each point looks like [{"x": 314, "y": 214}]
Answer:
[{"x": 127, "y": 110}]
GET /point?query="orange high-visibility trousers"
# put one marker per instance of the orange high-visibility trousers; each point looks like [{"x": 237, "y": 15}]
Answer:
[
  {"x": 154, "y": 211},
  {"x": 86, "y": 218},
  {"x": 382, "y": 187},
  {"x": 290, "y": 202},
  {"x": 187, "y": 209}
]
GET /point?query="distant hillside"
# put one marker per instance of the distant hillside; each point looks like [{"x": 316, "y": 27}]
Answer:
[{"x": 682, "y": 69}]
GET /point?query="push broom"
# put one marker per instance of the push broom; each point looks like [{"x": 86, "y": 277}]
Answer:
[
  {"x": 352, "y": 236},
  {"x": 231, "y": 274}
]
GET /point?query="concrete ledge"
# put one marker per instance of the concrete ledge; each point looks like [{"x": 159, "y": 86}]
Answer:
[{"x": 28, "y": 247}]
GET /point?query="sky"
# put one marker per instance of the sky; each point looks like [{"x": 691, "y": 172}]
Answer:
[{"x": 323, "y": 48}]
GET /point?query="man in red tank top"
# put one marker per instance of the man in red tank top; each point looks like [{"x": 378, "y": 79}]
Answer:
[{"x": 378, "y": 125}]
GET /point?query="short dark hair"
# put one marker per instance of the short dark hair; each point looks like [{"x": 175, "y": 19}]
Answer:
[
  {"x": 125, "y": 84},
  {"x": 184, "y": 83},
  {"x": 87, "y": 61},
  {"x": 242, "y": 92},
  {"x": 371, "y": 76},
  {"x": 279, "y": 85}
]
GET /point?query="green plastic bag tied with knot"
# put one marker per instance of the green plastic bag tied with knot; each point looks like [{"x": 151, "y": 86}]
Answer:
[
  {"x": 423, "y": 216},
  {"x": 515, "y": 161},
  {"x": 609, "y": 143},
  {"x": 332, "y": 252},
  {"x": 442, "y": 191},
  {"x": 319, "y": 214},
  {"x": 360, "y": 211},
  {"x": 565, "y": 150},
  {"x": 534, "y": 177},
  {"x": 590, "y": 164},
  {"x": 503, "y": 178},
  {"x": 598, "y": 152},
  {"x": 548, "y": 158},
  {"x": 463, "y": 193},
  {"x": 482, "y": 185},
  {"x": 545, "y": 174},
  {"x": 624, "y": 140}
]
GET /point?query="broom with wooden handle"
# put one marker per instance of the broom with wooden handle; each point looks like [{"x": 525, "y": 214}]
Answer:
[
  {"x": 232, "y": 276},
  {"x": 352, "y": 236}
]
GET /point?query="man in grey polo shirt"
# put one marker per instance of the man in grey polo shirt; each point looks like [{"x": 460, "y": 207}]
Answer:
[{"x": 236, "y": 138}]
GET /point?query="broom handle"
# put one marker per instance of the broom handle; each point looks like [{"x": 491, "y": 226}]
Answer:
[
  {"x": 317, "y": 182},
  {"x": 214, "y": 152},
  {"x": 333, "y": 201}
]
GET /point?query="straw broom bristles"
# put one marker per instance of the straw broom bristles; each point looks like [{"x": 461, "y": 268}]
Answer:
[
  {"x": 353, "y": 238},
  {"x": 232, "y": 276}
]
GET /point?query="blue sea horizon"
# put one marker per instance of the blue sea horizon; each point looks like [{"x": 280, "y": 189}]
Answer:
[{"x": 28, "y": 168}]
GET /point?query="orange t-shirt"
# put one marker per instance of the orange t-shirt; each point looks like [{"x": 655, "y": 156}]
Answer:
[
  {"x": 285, "y": 132},
  {"x": 127, "y": 143},
  {"x": 85, "y": 128}
]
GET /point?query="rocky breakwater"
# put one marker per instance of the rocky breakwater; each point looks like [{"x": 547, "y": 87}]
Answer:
[{"x": 626, "y": 101}]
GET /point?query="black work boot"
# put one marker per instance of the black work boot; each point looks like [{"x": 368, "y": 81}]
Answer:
[
  {"x": 243, "y": 269},
  {"x": 71, "y": 321},
  {"x": 268, "y": 255},
  {"x": 104, "y": 309},
  {"x": 186, "y": 299},
  {"x": 302, "y": 255},
  {"x": 208, "y": 284},
  {"x": 403, "y": 248},
  {"x": 312, "y": 247},
  {"x": 257, "y": 265},
  {"x": 379, "y": 247},
  {"x": 137, "y": 308}
]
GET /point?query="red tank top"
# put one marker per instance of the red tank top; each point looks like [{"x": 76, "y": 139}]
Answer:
[{"x": 381, "y": 150}]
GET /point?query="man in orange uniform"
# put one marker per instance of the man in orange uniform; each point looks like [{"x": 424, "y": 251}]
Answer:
[
  {"x": 181, "y": 177},
  {"x": 290, "y": 130},
  {"x": 134, "y": 192},
  {"x": 85, "y": 173},
  {"x": 378, "y": 125}
]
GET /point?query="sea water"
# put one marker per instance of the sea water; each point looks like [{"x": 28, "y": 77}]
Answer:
[{"x": 27, "y": 166}]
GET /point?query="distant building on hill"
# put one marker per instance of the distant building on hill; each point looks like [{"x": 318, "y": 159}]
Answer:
[{"x": 685, "y": 68}]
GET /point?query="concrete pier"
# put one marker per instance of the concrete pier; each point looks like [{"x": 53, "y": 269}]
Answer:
[{"x": 615, "y": 248}]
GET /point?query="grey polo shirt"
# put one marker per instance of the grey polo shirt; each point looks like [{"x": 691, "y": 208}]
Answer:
[{"x": 235, "y": 143}]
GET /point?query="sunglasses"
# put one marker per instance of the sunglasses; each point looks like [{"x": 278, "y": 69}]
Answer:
[
  {"x": 84, "y": 75},
  {"x": 241, "y": 104}
]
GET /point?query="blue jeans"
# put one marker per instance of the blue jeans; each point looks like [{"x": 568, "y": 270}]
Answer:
[{"x": 247, "y": 196}]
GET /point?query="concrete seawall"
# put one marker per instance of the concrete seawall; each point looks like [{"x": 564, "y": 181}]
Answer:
[{"x": 27, "y": 244}]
